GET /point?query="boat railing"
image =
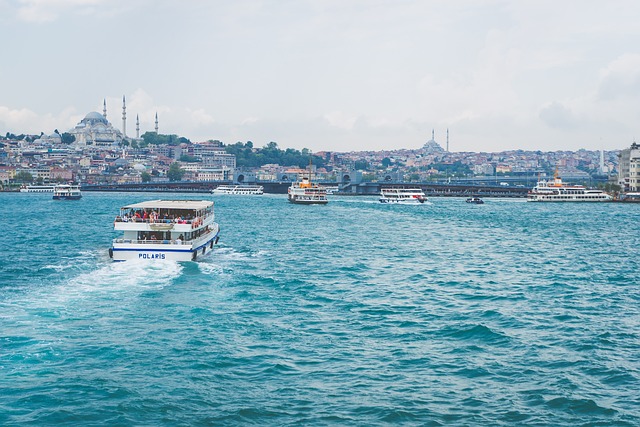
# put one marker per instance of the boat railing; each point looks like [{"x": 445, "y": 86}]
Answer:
[
  {"x": 194, "y": 221},
  {"x": 152, "y": 242}
]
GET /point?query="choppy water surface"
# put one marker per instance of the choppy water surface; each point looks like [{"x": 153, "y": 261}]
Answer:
[{"x": 354, "y": 313}]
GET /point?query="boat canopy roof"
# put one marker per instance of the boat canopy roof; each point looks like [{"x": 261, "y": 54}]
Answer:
[{"x": 171, "y": 204}]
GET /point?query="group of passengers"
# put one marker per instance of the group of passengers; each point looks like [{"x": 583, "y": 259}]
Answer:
[
  {"x": 158, "y": 237},
  {"x": 142, "y": 215}
]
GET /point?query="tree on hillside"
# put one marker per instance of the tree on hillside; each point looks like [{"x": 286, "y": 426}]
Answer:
[
  {"x": 160, "y": 139},
  {"x": 24, "y": 176},
  {"x": 67, "y": 138},
  {"x": 247, "y": 156},
  {"x": 175, "y": 172}
]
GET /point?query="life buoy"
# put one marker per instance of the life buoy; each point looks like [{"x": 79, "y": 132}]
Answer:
[
  {"x": 204, "y": 249},
  {"x": 110, "y": 253},
  {"x": 217, "y": 238},
  {"x": 211, "y": 244},
  {"x": 194, "y": 255}
]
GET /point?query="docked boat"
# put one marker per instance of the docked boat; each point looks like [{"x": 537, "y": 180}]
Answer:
[
  {"x": 242, "y": 190},
  {"x": 307, "y": 193},
  {"x": 557, "y": 191},
  {"x": 37, "y": 188},
  {"x": 405, "y": 196},
  {"x": 629, "y": 198},
  {"x": 67, "y": 192},
  {"x": 475, "y": 200},
  {"x": 176, "y": 230}
]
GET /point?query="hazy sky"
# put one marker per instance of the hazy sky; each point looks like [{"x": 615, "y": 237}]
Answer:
[{"x": 336, "y": 75}]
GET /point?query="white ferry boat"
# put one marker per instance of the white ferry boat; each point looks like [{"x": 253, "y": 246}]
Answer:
[
  {"x": 67, "y": 192},
  {"x": 557, "y": 191},
  {"x": 306, "y": 193},
  {"x": 37, "y": 188},
  {"x": 243, "y": 190},
  {"x": 177, "y": 230},
  {"x": 331, "y": 189},
  {"x": 405, "y": 196}
]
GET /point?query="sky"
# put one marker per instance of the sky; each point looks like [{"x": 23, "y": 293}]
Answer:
[{"x": 336, "y": 75}]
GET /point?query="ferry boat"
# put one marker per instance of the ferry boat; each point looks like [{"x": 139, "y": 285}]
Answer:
[
  {"x": 331, "y": 189},
  {"x": 244, "y": 190},
  {"x": 405, "y": 196},
  {"x": 306, "y": 193},
  {"x": 557, "y": 191},
  {"x": 475, "y": 200},
  {"x": 176, "y": 230},
  {"x": 67, "y": 192},
  {"x": 37, "y": 188}
]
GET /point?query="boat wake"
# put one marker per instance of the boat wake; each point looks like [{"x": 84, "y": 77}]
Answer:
[{"x": 120, "y": 277}]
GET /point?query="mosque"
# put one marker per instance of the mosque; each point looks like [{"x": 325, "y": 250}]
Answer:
[
  {"x": 432, "y": 147},
  {"x": 96, "y": 130}
]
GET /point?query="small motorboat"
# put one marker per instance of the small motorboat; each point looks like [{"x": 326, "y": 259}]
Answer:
[{"x": 475, "y": 200}]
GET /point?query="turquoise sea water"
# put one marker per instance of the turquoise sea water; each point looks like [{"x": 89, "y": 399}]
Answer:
[{"x": 354, "y": 313}]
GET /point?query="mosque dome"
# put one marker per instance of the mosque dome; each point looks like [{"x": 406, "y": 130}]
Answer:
[
  {"x": 95, "y": 128},
  {"x": 94, "y": 118}
]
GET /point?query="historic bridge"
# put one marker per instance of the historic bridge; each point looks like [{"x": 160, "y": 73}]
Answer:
[{"x": 280, "y": 187}]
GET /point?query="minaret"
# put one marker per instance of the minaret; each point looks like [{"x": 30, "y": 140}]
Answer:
[
  {"x": 124, "y": 117},
  {"x": 156, "y": 122},
  {"x": 447, "y": 140},
  {"x": 137, "y": 127},
  {"x": 433, "y": 135},
  {"x": 104, "y": 107}
]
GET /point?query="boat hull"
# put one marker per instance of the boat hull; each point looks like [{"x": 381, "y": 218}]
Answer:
[
  {"x": 67, "y": 197},
  {"x": 402, "y": 202},
  {"x": 308, "y": 202},
  {"x": 568, "y": 199},
  {"x": 163, "y": 250}
]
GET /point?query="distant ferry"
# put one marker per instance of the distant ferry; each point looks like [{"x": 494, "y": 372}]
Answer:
[
  {"x": 67, "y": 192},
  {"x": 37, "y": 188},
  {"x": 557, "y": 191},
  {"x": 244, "y": 190},
  {"x": 404, "y": 196},
  {"x": 176, "y": 230},
  {"x": 330, "y": 189},
  {"x": 306, "y": 193}
]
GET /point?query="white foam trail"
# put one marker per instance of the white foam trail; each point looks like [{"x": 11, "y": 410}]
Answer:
[{"x": 116, "y": 278}]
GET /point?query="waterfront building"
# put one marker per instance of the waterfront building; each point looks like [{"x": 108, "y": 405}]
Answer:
[{"x": 629, "y": 168}]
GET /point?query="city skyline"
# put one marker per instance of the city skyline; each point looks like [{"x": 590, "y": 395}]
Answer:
[{"x": 335, "y": 76}]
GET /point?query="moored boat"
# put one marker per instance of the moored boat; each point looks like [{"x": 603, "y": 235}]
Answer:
[
  {"x": 177, "y": 230},
  {"x": 242, "y": 190},
  {"x": 67, "y": 192},
  {"x": 557, "y": 191},
  {"x": 632, "y": 197},
  {"x": 401, "y": 195},
  {"x": 37, "y": 188}
]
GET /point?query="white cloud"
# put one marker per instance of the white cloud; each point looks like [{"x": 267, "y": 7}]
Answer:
[
  {"x": 621, "y": 78},
  {"x": 39, "y": 11},
  {"x": 358, "y": 74}
]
